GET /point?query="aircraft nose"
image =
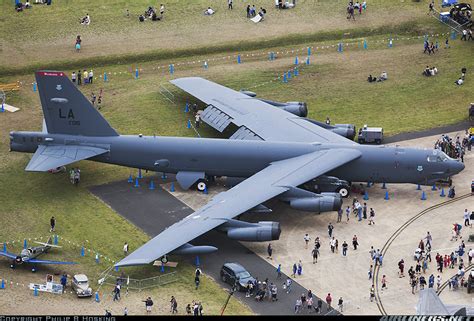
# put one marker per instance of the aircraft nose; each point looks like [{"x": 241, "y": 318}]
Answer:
[{"x": 456, "y": 166}]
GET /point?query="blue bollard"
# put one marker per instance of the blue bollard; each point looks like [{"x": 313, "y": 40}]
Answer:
[
  {"x": 285, "y": 80},
  {"x": 188, "y": 124},
  {"x": 97, "y": 297},
  {"x": 442, "y": 192},
  {"x": 4, "y": 247},
  {"x": 307, "y": 61},
  {"x": 116, "y": 268},
  {"x": 433, "y": 188},
  {"x": 2, "y": 285},
  {"x": 55, "y": 240},
  {"x": 418, "y": 187},
  {"x": 172, "y": 187},
  {"x": 186, "y": 108},
  {"x": 365, "y": 44},
  {"x": 339, "y": 47},
  {"x": 136, "y": 183},
  {"x": 171, "y": 69},
  {"x": 270, "y": 56},
  {"x": 97, "y": 258},
  {"x": 366, "y": 196},
  {"x": 197, "y": 260},
  {"x": 35, "y": 291},
  {"x": 386, "y": 196},
  {"x": 25, "y": 244},
  {"x": 288, "y": 74},
  {"x": 296, "y": 60},
  {"x": 238, "y": 59},
  {"x": 3, "y": 108},
  {"x": 130, "y": 179},
  {"x": 205, "y": 66},
  {"x": 152, "y": 185},
  {"x": 163, "y": 176},
  {"x": 140, "y": 173},
  {"x": 423, "y": 196},
  {"x": 309, "y": 51},
  {"x": 83, "y": 252},
  {"x": 136, "y": 73},
  {"x": 296, "y": 72},
  {"x": 34, "y": 86},
  {"x": 105, "y": 77},
  {"x": 383, "y": 186}
]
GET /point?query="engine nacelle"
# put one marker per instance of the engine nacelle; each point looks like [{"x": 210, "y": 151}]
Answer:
[
  {"x": 261, "y": 232},
  {"x": 295, "y": 107},
  {"x": 325, "y": 203},
  {"x": 345, "y": 130}
]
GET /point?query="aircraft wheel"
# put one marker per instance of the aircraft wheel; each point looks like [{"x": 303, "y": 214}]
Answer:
[
  {"x": 343, "y": 191},
  {"x": 201, "y": 185}
]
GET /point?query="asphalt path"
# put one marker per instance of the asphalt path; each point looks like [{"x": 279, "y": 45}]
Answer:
[{"x": 154, "y": 210}]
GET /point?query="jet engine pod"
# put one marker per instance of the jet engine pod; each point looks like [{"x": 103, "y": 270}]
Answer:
[
  {"x": 295, "y": 107},
  {"x": 261, "y": 232},
  {"x": 323, "y": 203}
]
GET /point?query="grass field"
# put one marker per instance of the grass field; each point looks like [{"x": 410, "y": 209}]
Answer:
[{"x": 333, "y": 85}]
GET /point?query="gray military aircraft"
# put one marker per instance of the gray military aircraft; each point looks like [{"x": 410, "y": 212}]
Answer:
[
  {"x": 273, "y": 152},
  {"x": 30, "y": 254}
]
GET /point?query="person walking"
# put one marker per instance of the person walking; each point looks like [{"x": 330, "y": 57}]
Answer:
[
  {"x": 229, "y": 2},
  {"x": 369, "y": 273},
  {"x": 295, "y": 269},
  {"x": 309, "y": 304},
  {"x": 348, "y": 212},
  {"x": 466, "y": 217},
  {"x": 384, "y": 282},
  {"x": 315, "y": 254},
  {"x": 125, "y": 311},
  {"x": 344, "y": 248},
  {"x": 372, "y": 293},
  {"x": 340, "y": 304},
  {"x": 148, "y": 304},
  {"x": 330, "y": 229},
  {"x": 355, "y": 243},
  {"x": 300, "y": 268},
  {"x": 173, "y": 305},
  {"x": 269, "y": 251},
  {"x": 306, "y": 240},
  {"x": 298, "y": 305},
  {"x": 288, "y": 285},
  {"x": 339, "y": 215},
  {"x": 197, "y": 281},
  {"x": 372, "y": 217},
  {"x": 401, "y": 267},
  {"x": 364, "y": 211},
  {"x": 279, "y": 271},
  {"x": 125, "y": 249},
  {"x": 332, "y": 244},
  {"x": 320, "y": 306},
  {"x": 52, "y": 223},
  {"x": 329, "y": 300},
  {"x": 79, "y": 75}
]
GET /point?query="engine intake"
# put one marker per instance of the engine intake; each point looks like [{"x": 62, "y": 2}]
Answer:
[
  {"x": 261, "y": 232},
  {"x": 295, "y": 107},
  {"x": 323, "y": 203}
]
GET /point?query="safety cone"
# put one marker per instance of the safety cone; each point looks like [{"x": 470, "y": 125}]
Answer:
[
  {"x": 4, "y": 247},
  {"x": 2, "y": 285},
  {"x": 83, "y": 252},
  {"x": 386, "y": 196},
  {"x": 434, "y": 187},
  {"x": 383, "y": 186},
  {"x": 423, "y": 196},
  {"x": 186, "y": 108},
  {"x": 366, "y": 196},
  {"x": 35, "y": 291},
  {"x": 97, "y": 297},
  {"x": 188, "y": 124},
  {"x": 130, "y": 179},
  {"x": 152, "y": 185},
  {"x": 442, "y": 192},
  {"x": 116, "y": 268},
  {"x": 55, "y": 239},
  {"x": 136, "y": 183},
  {"x": 25, "y": 244},
  {"x": 172, "y": 187}
]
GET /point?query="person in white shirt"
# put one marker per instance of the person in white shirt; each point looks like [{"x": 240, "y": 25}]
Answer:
[
  {"x": 209, "y": 11},
  {"x": 466, "y": 217},
  {"x": 459, "y": 82}
]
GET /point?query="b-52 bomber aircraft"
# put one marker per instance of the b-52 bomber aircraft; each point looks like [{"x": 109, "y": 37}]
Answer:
[
  {"x": 29, "y": 255},
  {"x": 272, "y": 152}
]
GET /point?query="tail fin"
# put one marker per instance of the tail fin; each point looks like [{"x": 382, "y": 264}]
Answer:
[{"x": 66, "y": 110}]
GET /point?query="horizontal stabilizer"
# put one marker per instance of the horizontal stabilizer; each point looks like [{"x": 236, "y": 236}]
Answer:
[{"x": 53, "y": 156}]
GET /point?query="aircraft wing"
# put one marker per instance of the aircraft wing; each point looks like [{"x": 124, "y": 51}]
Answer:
[
  {"x": 48, "y": 157},
  {"x": 8, "y": 254},
  {"x": 271, "y": 181},
  {"x": 36, "y": 261},
  {"x": 256, "y": 119}
]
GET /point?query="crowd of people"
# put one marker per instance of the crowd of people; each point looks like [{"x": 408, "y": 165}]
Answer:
[
  {"x": 252, "y": 11},
  {"x": 454, "y": 148},
  {"x": 150, "y": 13},
  {"x": 430, "y": 48},
  {"x": 355, "y": 7},
  {"x": 383, "y": 77},
  {"x": 430, "y": 71}
]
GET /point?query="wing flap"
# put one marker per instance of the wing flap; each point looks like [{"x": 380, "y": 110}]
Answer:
[
  {"x": 48, "y": 157},
  {"x": 271, "y": 181}
]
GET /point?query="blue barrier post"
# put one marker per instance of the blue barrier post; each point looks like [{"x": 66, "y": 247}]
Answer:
[
  {"x": 136, "y": 73},
  {"x": 3, "y": 109},
  {"x": 83, "y": 252},
  {"x": 97, "y": 258},
  {"x": 453, "y": 35},
  {"x": 172, "y": 187},
  {"x": 205, "y": 65},
  {"x": 188, "y": 124},
  {"x": 366, "y": 196},
  {"x": 433, "y": 188},
  {"x": 270, "y": 56},
  {"x": 25, "y": 244},
  {"x": 296, "y": 71},
  {"x": 4, "y": 247},
  {"x": 339, "y": 47},
  {"x": 97, "y": 299},
  {"x": 105, "y": 77},
  {"x": 285, "y": 80},
  {"x": 186, "y": 108},
  {"x": 365, "y": 44},
  {"x": 171, "y": 69},
  {"x": 34, "y": 86},
  {"x": 130, "y": 179},
  {"x": 307, "y": 60},
  {"x": 35, "y": 291},
  {"x": 136, "y": 183},
  {"x": 288, "y": 74},
  {"x": 309, "y": 51},
  {"x": 116, "y": 268},
  {"x": 55, "y": 239},
  {"x": 140, "y": 173},
  {"x": 163, "y": 176},
  {"x": 152, "y": 185},
  {"x": 197, "y": 260},
  {"x": 383, "y": 186},
  {"x": 2, "y": 285},
  {"x": 238, "y": 59},
  {"x": 423, "y": 196},
  {"x": 296, "y": 60},
  {"x": 390, "y": 43},
  {"x": 418, "y": 188},
  {"x": 442, "y": 192},
  {"x": 386, "y": 196}
]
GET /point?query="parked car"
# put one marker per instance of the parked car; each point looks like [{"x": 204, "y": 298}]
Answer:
[
  {"x": 370, "y": 135},
  {"x": 80, "y": 284},
  {"x": 234, "y": 273},
  {"x": 328, "y": 184}
]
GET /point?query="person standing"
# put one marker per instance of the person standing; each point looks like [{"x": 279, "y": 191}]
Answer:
[
  {"x": 372, "y": 217},
  {"x": 148, "y": 304},
  {"x": 230, "y": 4},
  {"x": 340, "y": 303},
  {"x": 339, "y": 215},
  {"x": 315, "y": 254},
  {"x": 125, "y": 312},
  {"x": 298, "y": 305},
  {"x": 355, "y": 243},
  {"x": 466, "y": 217},
  {"x": 279, "y": 271},
  {"x": 344, "y": 248},
  {"x": 79, "y": 75},
  {"x": 333, "y": 244},
  {"x": 269, "y": 251},
  {"x": 295, "y": 269},
  {"x": 384, "y": 282},
  {"x": 438, "y": 282},
  {"x": 306, "y": 240},
  {"x": 162, "y": 10},
  {"x": 372, "y": 293},
  {"x": 348, "y": 212},
  {"x": 197, "y": 281},
  {"x": 73, "y": 77},
  {"x": 329, "y": 300},
  {"x": 52, "y": 222},
  {"x": 300, "y": 268},
  {"x": 85, "y": 76},
  {"x": 91, "y": 76},
  {"x": 401, "y": 267},
  {"x": 125, "y": 249},
  {"x": 309, "y": 304},
  {"x": 330, "y": 229},
  {"x": 364, "y": 211},
  {"x": 288, "y": 285}
]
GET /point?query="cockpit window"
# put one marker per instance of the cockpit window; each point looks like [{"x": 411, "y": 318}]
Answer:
[{"x": 438, "y": 156}]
